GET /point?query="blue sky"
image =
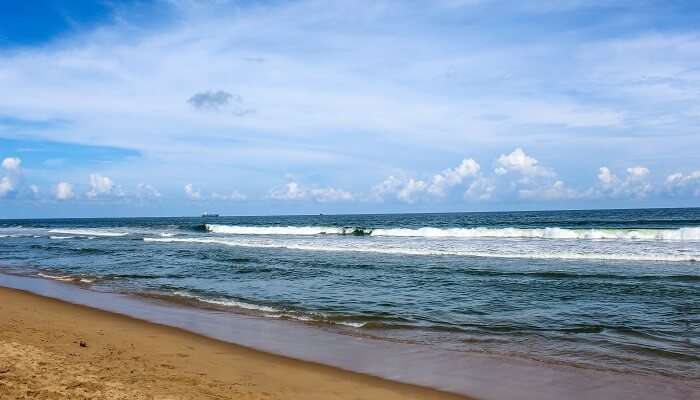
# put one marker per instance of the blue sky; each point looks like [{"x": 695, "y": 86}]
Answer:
[{"x": 137, "y": 108}]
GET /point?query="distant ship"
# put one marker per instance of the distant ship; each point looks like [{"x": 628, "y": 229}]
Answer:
[{"x": 206, "y": 214}]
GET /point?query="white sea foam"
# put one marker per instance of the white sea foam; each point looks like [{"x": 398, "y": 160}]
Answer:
[
  {"x": 274, "y": 230},
  {"x": 688, "y": 233},
  {"x": 267, "y": 311},
  {"x": 679, "y": 234},
  {"x": 531, "y": 254},
  {"x": 64, "y": 278},
  {"x": 61, "y": 237},
  {"x": 305, "y": 318},
  {"x": 89, "y": 232},
  {"x": 228, "y": 303}
]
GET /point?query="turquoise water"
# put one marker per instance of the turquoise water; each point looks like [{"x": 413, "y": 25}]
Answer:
[{"x": 611, "y": 289}]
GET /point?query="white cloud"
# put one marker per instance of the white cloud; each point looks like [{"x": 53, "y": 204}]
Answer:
[
  {"x": 638, "y": 172},
  {"x": 605, "y": 177},
  {"x": 233, "y": 196},
  {"x": 192, "y": 193},
  {"x": 290, "y": 191},
  {"x": 146, "y": 191},
  {"x": 387, "y": 186},
  {"x": 441, "y": 89},
  {"x": 411, "y": 189},
  {"x": 453, "y": 176},
  {"x": 481, "y": 189},
  {"x": 296, "y": 191},
  {"x": 11, "y": 163},
  {"x": 6, "y": 186},
  {"x": 635, "y": 184},
  {"x": 101, "y": 186},
  {"x": 519, "y": 161},
  {"x": 679, "y": 183},
  {"x": 9, "y": 184},
  {"x": 64, "y": 191}
]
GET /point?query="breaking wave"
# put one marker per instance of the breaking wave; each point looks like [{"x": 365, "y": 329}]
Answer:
[
  {"x": 440, "y": 252},
  {"x": 89, "y": 232},
  {"x": 680, "y": 234},
  {"x": 286, "y": 230}
]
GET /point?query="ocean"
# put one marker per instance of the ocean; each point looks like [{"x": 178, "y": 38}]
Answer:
[{"x": 611, "y": 290}]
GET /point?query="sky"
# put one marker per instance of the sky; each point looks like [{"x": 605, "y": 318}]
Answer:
[{"x": 177, "y": 107}]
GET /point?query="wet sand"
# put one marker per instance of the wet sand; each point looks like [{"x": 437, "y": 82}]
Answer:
[{"x": 41, "y": 356}]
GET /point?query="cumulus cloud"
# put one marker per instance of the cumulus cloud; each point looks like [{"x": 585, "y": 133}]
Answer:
[
  {"x": 605, "y": 177},
  {"x": 635, "y": 184},
  {"x": 481, "y": 189},
  {"x": 9, "y": 183},
  {"x": 385, "y": 187},
  {"x": 679, "y": 183},
  {"x": 63, "y": 191},
  {"x": 408, "y": 190},
  {"x": 519, "y": 161},
  {"x": 192, "y": 193},
  {"x": 453, "y": 176},
  {"x": 296, "y": 191},
  {"x": 6, "y": 186},
  {"x": 516, "y": 174},
  {"x": 11, "y": 163},
  {"x": 102, "y": 186}
]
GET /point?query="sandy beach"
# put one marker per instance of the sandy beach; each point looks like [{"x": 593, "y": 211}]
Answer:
[{"x": 55, "y": 350}]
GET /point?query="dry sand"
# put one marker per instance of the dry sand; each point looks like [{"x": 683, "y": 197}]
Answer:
[{"x": 41, "y": 357}]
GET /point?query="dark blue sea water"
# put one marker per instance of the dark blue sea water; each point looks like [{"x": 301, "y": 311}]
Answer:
[{"x": 610, "y": 289}]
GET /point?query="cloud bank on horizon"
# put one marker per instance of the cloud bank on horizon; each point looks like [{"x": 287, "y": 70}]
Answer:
[{"x": 257, "y": 107}]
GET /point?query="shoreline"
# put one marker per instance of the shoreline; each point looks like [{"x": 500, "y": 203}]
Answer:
[
  {"x": 124, "y": 357},
  {"x": 471, "y": 375}
]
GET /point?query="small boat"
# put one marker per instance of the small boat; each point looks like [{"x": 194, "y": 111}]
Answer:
[{"x": 206, "y": 214}]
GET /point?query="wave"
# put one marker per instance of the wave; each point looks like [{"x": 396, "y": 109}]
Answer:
[
  {"x": 227, "y": 302},
  {"x": 272, "y": 312},
  {"x": 89, "y": 232},
  {"x": 686, "y": 233},
  {"x": 65, "y": 278},
  {"x": 286, "y": 230},
  {"x": 679, "y": 234},
  {"x": 439, "y": 252}
]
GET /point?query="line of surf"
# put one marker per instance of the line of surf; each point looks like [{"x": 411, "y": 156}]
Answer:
[
  {"x": 439, "y": 252},
  {"x": 677, "y": 234}
]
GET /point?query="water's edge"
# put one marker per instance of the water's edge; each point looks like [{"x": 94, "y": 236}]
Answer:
[{"x": 476, "y": 375}]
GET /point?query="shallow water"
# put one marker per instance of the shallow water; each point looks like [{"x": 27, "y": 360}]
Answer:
[{"x": 617, "y": 290}]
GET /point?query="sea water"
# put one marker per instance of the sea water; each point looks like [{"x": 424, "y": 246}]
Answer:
[{"x": 615, "y": 290}]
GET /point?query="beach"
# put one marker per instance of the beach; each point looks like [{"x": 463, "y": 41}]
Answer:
[{"x": 124, "y": 358}]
